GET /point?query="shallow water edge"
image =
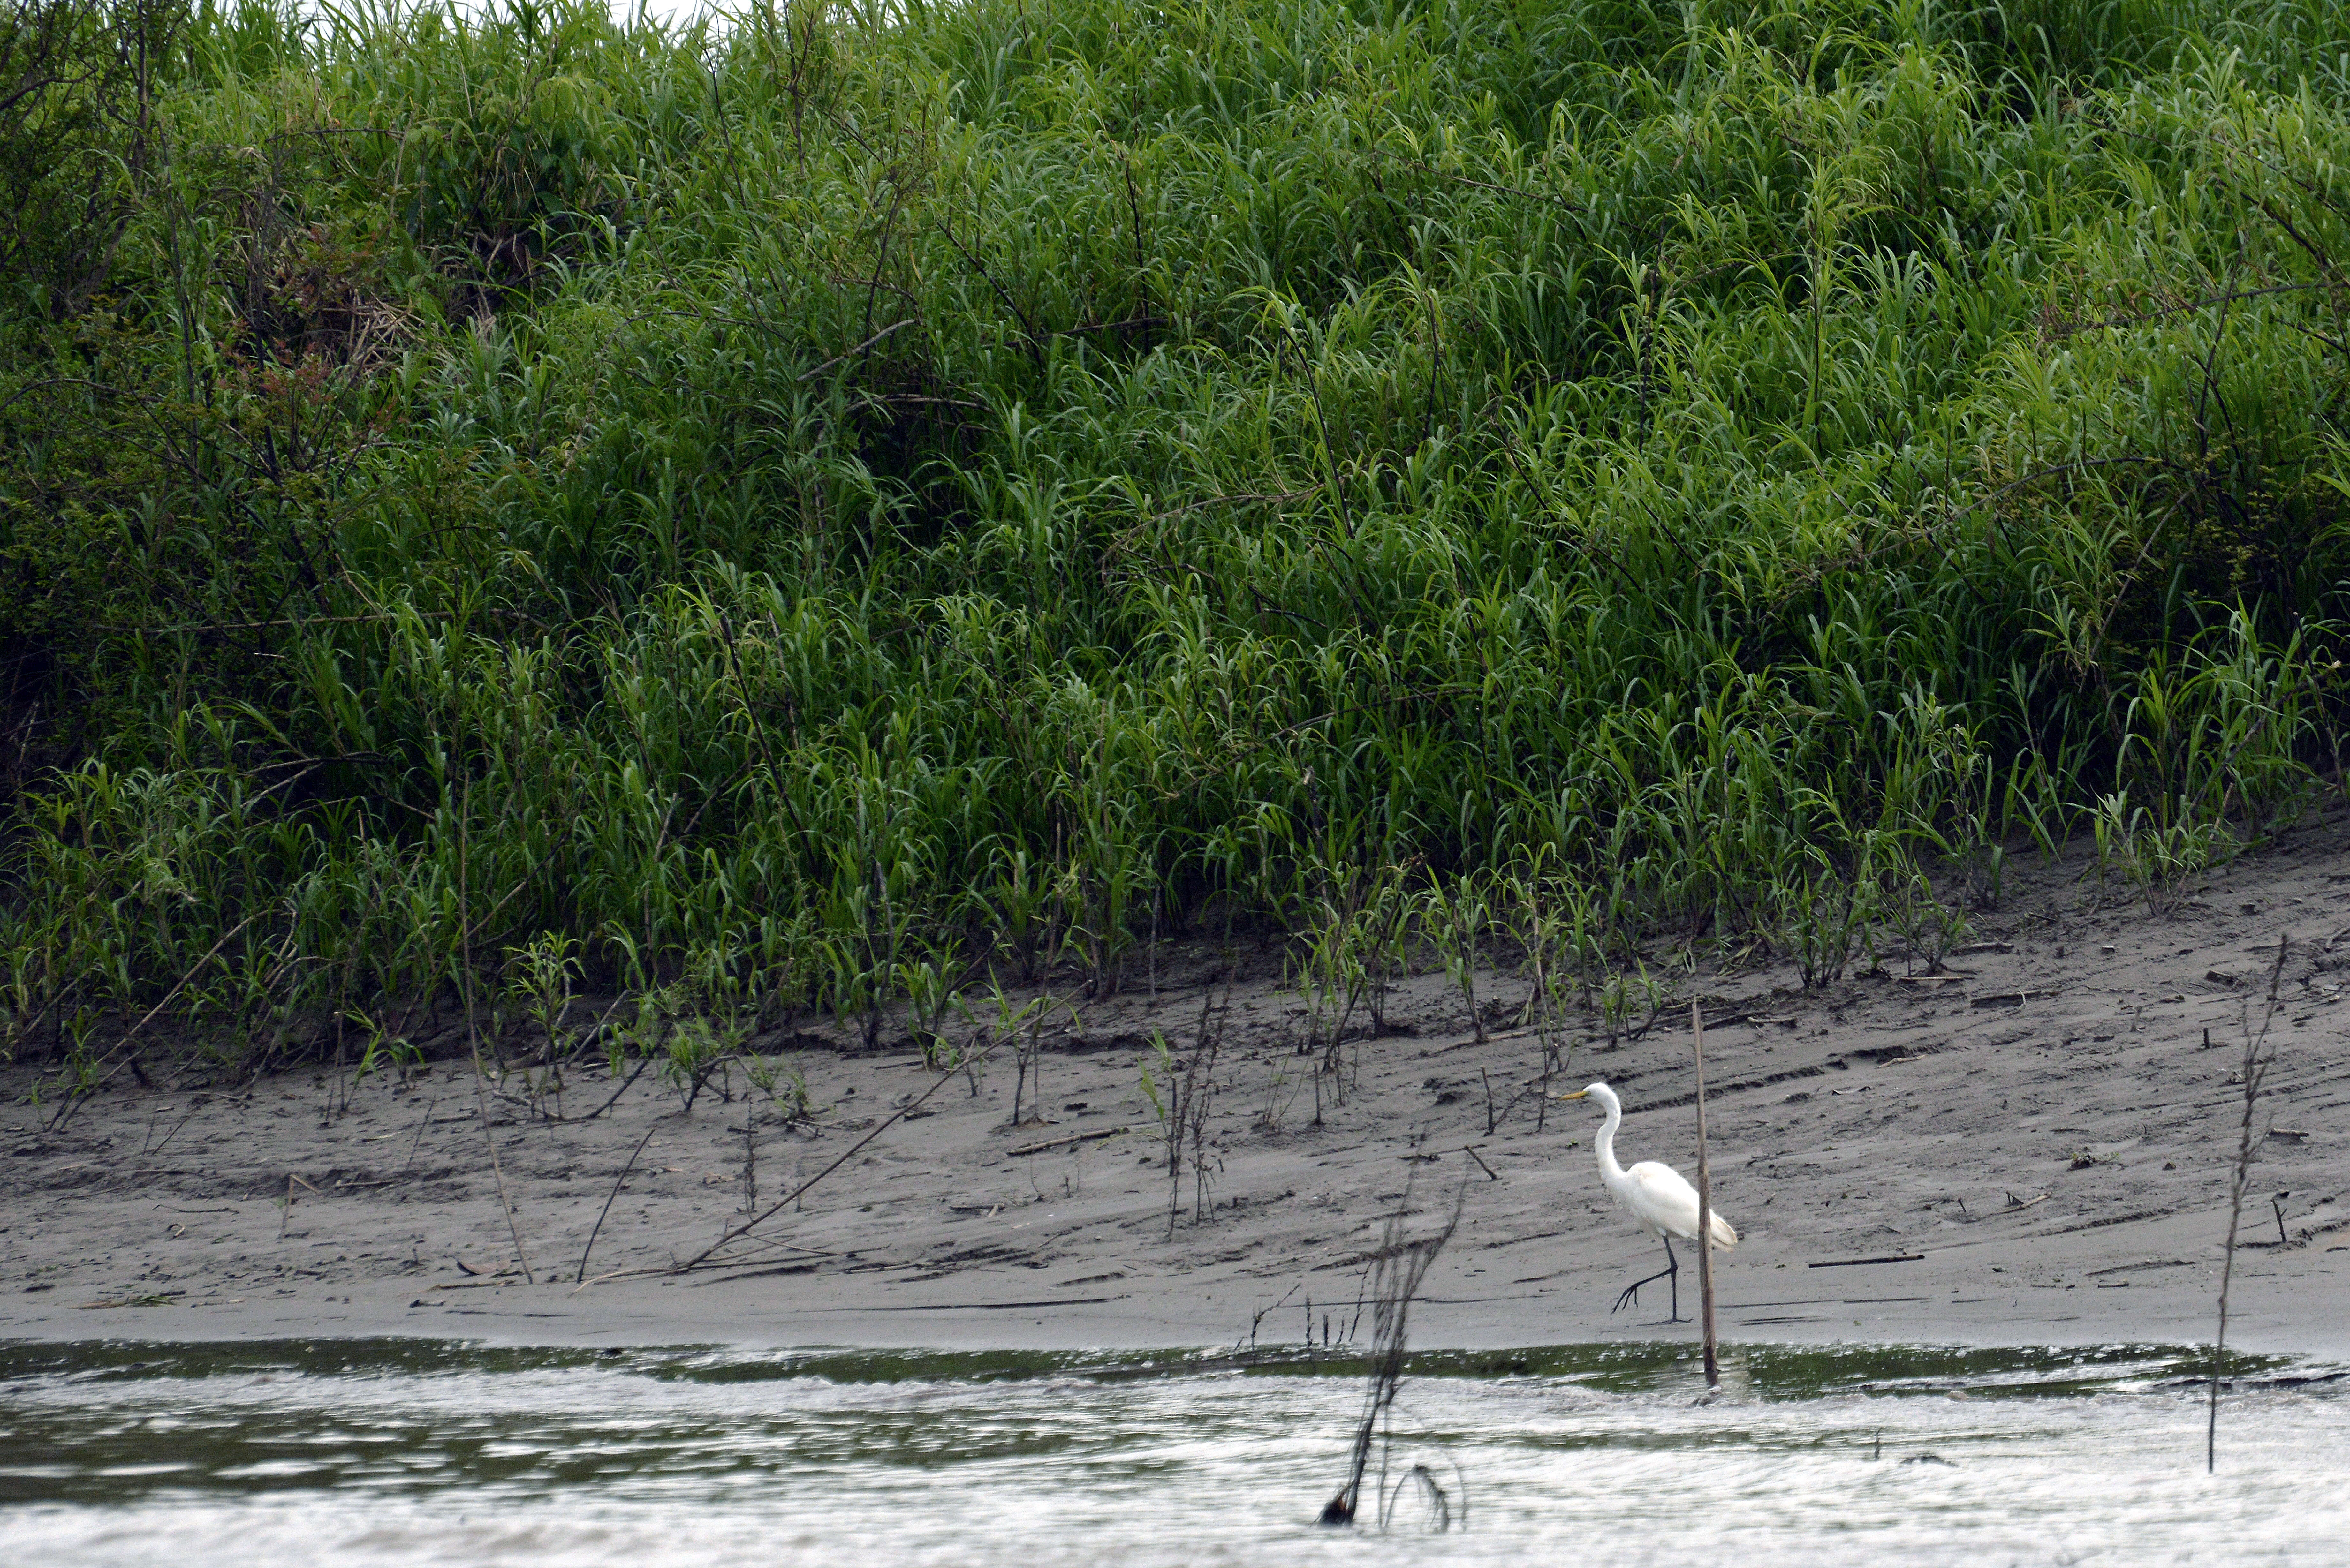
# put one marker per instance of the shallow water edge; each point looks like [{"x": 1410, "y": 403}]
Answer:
[{"x": 404, "y": 1450}]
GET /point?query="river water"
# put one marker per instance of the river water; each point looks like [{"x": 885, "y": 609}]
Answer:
[{"x": 417, "y": 1452}]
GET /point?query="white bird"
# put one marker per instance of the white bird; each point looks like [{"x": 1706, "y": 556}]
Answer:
[{"x": 1655, "y": 1195}]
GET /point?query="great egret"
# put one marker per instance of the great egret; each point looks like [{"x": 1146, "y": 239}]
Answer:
[{"x": 1655, "y": 1195}]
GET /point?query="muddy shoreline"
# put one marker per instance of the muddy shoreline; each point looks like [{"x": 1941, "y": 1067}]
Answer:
[{"x": 2038, "y": 1146}]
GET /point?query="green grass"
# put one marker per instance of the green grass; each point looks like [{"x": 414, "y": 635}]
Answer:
[{"x": 806, "y": 509}]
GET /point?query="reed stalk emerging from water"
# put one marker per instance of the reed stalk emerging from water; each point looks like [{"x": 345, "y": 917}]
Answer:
[{"x": 1397, "y": 1271}]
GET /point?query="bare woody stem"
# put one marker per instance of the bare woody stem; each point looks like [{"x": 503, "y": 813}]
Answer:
[
  {"x": 1704, "y": 1212},
  {"x": 473, "y": 1040},
  {"x": 739, "y": 1231},
  {"x": 74, "y": 1103},
  {"x": 617, "y": 1181},
  {"x": 2255, "y": 1070}
]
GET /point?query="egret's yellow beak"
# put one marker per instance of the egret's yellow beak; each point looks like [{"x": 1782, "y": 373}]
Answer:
[{"x": 1578, "y": 1094}]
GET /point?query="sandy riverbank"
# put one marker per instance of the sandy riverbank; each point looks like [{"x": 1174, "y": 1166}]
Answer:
[{"x": 2054, "y": 1168}]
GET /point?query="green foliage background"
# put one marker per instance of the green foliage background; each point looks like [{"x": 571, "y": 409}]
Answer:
[{"x": 814, "y": 503}]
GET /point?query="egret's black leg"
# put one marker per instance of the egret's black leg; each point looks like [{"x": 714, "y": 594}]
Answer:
[
  {"x": 1631, "y": 1293},
  {"x": 1670, "y": 1273}
]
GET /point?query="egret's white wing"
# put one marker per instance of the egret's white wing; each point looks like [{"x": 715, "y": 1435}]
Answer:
[{"x": 1661, "y": 1198}]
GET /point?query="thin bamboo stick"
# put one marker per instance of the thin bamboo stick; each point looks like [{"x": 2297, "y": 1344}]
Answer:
[{"x": 1704, "y": 1210}]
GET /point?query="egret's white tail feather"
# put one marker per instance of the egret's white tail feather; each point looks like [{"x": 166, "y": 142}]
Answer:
[{"x": 1725, "y": 1237}]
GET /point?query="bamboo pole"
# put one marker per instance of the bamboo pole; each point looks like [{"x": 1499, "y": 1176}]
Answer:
[{"x": 1704, "y": 1210}]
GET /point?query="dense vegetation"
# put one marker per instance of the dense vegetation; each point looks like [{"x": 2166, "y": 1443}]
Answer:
[{"x": 812, "y": 508}]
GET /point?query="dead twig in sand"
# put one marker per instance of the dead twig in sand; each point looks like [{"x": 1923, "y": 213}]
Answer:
[
  {"x": 1488, "y": 1040},
  {"x": 430, "y": 1106},
  {"x": 619, "y": 1274},
  {"x": 1396, "y": 1275},
  {"x": 750, "y": 1161},
  {"x": 74, "y": 1101},
  {"x": 1052, "y": 1143},
  {"x": 1028, "y": 1060},
  {"x": 286, "y": 1208},
  {"x": 473, "y": 1039},
  {"x": 2013, "y": 997},
  {"x": 1467, "y": 1149},
  {"x": 2255, "y": 1072},
  {"x": 157, "y": 1152},
  {"x": 702, "y": 1258},
  {"x": 1183, "y": 1112},
  {"x": 581, "y": 1278},
  {"x": 762, "y": 1243},
  {"x": 623, "y": 1089},
  {"x": 1257, "y": 1322}
]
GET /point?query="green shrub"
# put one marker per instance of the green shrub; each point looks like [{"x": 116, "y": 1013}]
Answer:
[{"x": 809, "y": 506}]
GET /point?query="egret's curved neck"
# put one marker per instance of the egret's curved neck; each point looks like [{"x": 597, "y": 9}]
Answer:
[{"x": 1609, "y": 1170}]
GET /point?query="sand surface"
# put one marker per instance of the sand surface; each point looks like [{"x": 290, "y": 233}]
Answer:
[{"x": 2044, "y": 1143}]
